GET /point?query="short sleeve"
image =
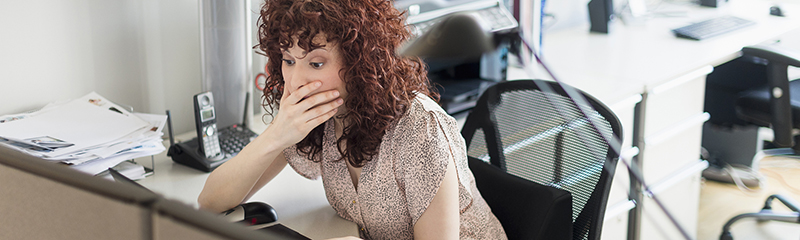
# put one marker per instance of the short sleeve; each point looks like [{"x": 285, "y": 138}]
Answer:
[
  {"x": 423, "y": 151},
  {"x": 302, "y": 165}
]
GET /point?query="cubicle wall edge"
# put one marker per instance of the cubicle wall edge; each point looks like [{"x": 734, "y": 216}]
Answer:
[
  {"x": 43, "y": 200},
  {"x": 172, "y": 211},
  {"x": 40, "y": 199},
  {"x": 63, "y": 174}
]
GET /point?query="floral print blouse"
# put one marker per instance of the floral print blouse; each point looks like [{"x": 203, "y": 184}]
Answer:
[{"x": 399, "y": 183}]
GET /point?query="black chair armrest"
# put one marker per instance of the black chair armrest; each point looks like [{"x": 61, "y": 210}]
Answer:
[{"x": 779, "y": 59}]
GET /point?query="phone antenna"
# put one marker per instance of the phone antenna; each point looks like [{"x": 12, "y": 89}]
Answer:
[{"x": 169, "y": 124}]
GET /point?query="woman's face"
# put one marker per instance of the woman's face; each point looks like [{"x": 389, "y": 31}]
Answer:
[{"x": 322, "y": 64}]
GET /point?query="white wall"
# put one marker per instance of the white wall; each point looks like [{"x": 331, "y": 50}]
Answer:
[
  {"x": 566, "y": 14},
  {"x": 142, "y": 53},
  {"x": 572, "y": 13},
  {"x": 258, "y": 61}
]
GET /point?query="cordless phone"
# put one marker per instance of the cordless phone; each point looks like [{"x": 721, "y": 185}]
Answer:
[
  {"x": 205, "y": 119},
  {"x": 212, "y": 146}
]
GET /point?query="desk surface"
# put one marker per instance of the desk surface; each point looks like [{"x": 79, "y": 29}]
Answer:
[
  {"x": 301, "y": 203},
  {"x": 635, "y": 57}
]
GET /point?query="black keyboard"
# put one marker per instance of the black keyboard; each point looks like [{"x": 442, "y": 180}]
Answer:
[
  {"x": 233, "y": 138},
  {"x": 712, "y": 27}
]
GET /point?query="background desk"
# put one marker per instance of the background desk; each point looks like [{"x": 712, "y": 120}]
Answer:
[
  {"x": 655, "y": 83},
  {"x": 301, "y": 203}
]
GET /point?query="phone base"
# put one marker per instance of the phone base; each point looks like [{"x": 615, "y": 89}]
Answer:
[{"x": 187, "y": 153}]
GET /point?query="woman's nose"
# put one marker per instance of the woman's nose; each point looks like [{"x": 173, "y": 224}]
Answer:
[{"x": 298, "y": 78}]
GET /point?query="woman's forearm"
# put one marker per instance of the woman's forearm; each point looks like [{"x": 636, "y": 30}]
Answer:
[{"x": 235, "y": 180}]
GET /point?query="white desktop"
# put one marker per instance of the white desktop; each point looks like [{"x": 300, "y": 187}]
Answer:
[{"x": 300, "y": 203}]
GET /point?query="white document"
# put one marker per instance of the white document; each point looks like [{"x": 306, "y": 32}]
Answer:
[
  {"x": 137, "y": 138},
  {"x": 89, "y": 121},
  {"x": 99, "y": 165}
]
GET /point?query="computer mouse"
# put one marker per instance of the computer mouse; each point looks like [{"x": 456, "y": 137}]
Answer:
[
  {"x": 775, "y": 11},
  {"x": 252, "y": 213}
]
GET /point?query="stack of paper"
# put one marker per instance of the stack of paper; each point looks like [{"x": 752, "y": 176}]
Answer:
[
  {"x": 90, "y": 133},
  {"x": 129, "y": 169}
]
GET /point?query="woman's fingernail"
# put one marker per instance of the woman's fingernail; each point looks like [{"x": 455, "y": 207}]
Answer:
[
  {"x": 340, "y": 101},
  {"x": 317, "y": 84},
  {"x": 336, "y": 93}
]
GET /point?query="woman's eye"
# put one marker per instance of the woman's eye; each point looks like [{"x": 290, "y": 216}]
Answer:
[
  {"x": 288, "y": 62},
  {"x": 316, "y": 64}
]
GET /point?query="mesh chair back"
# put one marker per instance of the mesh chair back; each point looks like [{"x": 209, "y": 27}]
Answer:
[{"x": 544, "y": 137}]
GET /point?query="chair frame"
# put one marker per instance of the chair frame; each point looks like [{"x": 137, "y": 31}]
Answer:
[
  {"x": 778, "y": 81},
  {"x": 766, "y": 214},
  {"x": 780, "y": 113},
  {"x": 482, "y": 118}
]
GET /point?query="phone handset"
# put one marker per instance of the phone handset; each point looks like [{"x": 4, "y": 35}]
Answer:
[{"x": 205, "y": 117}]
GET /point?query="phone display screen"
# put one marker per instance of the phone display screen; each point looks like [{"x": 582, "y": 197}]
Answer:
[{"x": 207, "y": 114}]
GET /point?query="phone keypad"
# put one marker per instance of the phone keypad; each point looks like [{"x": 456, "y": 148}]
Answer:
[
  {"x": 211, "y": 141},
  {"x": 234, "y": 138}
]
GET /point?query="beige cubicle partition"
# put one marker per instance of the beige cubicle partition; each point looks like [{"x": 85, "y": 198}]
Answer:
[{"x": 44, "y": 200}]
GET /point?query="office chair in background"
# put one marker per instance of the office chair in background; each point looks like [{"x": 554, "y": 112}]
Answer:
[
  {"x": 739, "y": 99},
  {"x": 765, "y": 97},
  {"x": 543, "y": 137},
  {"x": 776, "y": 103}
]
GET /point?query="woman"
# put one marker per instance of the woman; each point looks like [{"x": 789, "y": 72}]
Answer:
[{"x": 360, "y": 117}]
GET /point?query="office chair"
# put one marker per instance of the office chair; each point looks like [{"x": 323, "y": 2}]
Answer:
[
  {"x": 770, "y": 100},
  {"x": 739, "y": 99},
  {"x": 776, "y": 103},
  {"x": 517, "y": 128}
]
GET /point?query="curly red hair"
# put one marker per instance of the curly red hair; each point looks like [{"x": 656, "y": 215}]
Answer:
[{"x": 381, "y": 83}]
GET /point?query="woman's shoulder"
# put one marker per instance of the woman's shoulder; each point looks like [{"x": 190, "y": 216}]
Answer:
[
  {"x": 424, "y": 115},
  {"x": 425, "y": 102},
  {"x": 422, "y": 109}
]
